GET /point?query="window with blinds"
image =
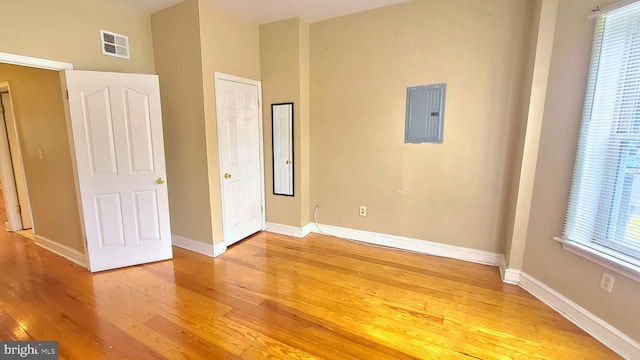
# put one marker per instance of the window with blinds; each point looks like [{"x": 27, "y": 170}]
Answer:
[{"x": 604, "y": 207}]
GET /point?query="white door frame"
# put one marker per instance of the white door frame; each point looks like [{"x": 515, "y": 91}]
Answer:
[
  {"x": 28, "y": 61},
  {"x": 13, "y": 162},
  {"x": 258, "y": 84}
]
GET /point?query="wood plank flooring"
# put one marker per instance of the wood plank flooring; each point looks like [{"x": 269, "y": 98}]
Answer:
[{"x": 276, "y": 297}]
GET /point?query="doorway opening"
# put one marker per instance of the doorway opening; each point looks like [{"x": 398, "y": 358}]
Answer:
[
  {"x": 53, "y": 225},
  {"x": 14, "y": 186}
]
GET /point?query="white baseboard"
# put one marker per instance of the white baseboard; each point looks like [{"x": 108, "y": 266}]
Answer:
[
  {"x": 308, "y": 229},
  {"x": 285, "y": 230},
  {"x": 197, "y": 246},
  {"x": 611, "y": 337},
  {"x": 511, "y": 276},
  {"x": 416, "y": 245},
  {"x": 66, "y": 252},
  {"x": 219, "y": 249},
  {"x": 503, "y": 266}
]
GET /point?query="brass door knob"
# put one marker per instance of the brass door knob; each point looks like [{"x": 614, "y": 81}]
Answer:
[
  {"x": 227, "y": 176},
  {"x": 160, "y": 181}
]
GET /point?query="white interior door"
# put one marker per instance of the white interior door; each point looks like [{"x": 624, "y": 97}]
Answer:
[
  {"x": 14, "y": 221},
  {"x": 16, "y": 161},
  {"x": 240, "y": 151},
  {"x": 116, "y": 125}
]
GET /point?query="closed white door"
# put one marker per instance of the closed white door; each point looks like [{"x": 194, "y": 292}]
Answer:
[
  {"x": 240, "y": 153},
  {"x": 16, "y": 161},
  {"x": 118, "y": 145}
]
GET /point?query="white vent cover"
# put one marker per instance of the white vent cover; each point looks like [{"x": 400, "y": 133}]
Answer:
[{"x": 114, "y": 44}]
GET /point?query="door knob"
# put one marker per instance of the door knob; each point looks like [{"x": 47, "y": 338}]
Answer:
[
  {"x": 288, "y": 162},
  {"x": 227, "y": 176},
  {"x": 160, "y": 181}
]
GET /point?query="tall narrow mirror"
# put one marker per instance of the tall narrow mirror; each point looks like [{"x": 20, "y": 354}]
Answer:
[{"x": 282, "y": 141}]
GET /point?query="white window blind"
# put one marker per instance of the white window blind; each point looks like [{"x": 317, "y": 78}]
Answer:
[{"x": 604, "y": 206}]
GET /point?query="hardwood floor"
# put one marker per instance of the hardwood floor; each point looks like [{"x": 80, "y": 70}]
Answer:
[
  {"x": 3, "y": 212},
  {"x": 275, "y": 297}
]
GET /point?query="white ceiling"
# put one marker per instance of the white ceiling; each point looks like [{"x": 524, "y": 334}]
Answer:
[{"x": 265, "y": 11}]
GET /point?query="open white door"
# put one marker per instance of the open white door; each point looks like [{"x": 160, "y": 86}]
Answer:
[
  {"x": 9, "y": 190},
  {"x": 241, "y": 156},
  {"x": 116, "y": 125},
  {"x": 16, "y": 160}
]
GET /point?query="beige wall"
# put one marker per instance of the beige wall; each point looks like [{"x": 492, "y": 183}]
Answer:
[
  {"x": 69, "y": 31},
  {"x": 285, "y": 72},
  {"x": 576, "y": 278},
  {"x": 40, "y": 117},
  {"x": 177, "y": 50},
  {"x": 360, "y": 67},
  {"x": 231, "y": 45}
]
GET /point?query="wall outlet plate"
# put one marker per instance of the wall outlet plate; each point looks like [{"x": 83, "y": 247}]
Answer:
[
  {"x": 606, "y": 282},
  {"x": 363, "y": 211}
]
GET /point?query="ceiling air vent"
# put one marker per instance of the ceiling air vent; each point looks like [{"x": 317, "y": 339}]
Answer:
[{"x": 114, "y": 44}]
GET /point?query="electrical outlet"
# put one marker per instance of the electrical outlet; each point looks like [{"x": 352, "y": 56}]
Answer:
[
  {"x": 606, "y": 283},
  {"x": 363, "y": 211}
]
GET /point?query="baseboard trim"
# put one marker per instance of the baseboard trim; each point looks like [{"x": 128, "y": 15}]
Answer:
[
  {"x": 286, "y": 230},
  {"x": 219, "y": 249},
  {"x": 66, "y": 252},
  {"x": 511, "y": 276},
  {"x": 197, "y": 246},
  {"x": 503, "y": 266},
  {"x": 308, "y": 229},
  {"x": 411, "y": 244},
  {"x": 611, "y": 337}
]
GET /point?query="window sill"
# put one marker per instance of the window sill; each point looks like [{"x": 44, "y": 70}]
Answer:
[{"x": 603, "y": 256}]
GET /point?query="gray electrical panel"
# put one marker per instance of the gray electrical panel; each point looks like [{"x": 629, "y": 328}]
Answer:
[{"x": 425, "y": 114}]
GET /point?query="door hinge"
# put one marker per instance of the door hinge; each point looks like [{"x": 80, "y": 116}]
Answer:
[
  {"x": 17, "y": 208},
  {"x": 258, "y": 102},
  {"x": 67, "y": 94},
  {"x": 261, "y": 208}
]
